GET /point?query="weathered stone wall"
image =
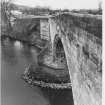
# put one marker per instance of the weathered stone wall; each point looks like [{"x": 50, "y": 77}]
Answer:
[
  {"x": 81, "y": 38},
  {"x": 44, "y": 29}
]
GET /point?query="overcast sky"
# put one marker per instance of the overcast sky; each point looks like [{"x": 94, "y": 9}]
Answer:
[{"x": 57, "y": 4}]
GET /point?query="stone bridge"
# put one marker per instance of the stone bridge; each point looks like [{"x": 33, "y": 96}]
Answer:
[
  {"x": 77, "y": 40},
  {"x": 80, "y": 38}
]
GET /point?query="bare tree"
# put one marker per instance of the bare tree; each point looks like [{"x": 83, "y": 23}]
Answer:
[{"x": 6, "y": 12}]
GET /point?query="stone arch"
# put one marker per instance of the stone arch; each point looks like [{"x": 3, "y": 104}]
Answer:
[{"x": 58, "y": 50}]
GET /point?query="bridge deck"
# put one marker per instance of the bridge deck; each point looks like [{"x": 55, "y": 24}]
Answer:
[{"x": 55, "y": 15}]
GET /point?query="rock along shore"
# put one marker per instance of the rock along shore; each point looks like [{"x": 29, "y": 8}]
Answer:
[{"x": 34, "y": 82}]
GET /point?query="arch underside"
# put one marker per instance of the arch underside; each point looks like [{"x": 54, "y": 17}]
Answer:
[{"x": 58, "y": 51}]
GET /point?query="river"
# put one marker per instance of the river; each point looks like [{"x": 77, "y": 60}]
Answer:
[{"x": 15, "y": 57}]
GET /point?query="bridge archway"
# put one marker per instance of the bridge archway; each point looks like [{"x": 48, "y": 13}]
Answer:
[
  {"x": 59, "y": 54},
  {"x": 58, "y": 51}
]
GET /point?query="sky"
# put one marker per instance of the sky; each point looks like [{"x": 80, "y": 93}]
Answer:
[{"x": 61, "y": 4}]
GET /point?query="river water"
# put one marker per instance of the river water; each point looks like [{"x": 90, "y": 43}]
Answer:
[{"x": 15, "y": 57}]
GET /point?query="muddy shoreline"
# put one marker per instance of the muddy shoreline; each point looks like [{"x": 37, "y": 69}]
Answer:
[
  {"x": 46, "y": 80},
  {"x": 46, "y": 85}
]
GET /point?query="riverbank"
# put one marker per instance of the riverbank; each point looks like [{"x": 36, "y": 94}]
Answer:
[
  {"x": 47, "y": 79},
  {"x": 38, "y": 42}
]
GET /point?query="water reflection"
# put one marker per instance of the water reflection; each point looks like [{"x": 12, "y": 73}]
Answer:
[
  {"x": 18, "y": 45},
  {"x": 59, "y": 97},
  {"x": 15, "y": 58}
]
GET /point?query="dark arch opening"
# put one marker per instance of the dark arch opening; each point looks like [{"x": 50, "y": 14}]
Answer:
[{"x": 59, "y": 53}]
